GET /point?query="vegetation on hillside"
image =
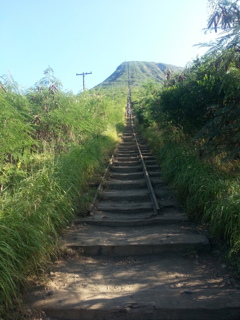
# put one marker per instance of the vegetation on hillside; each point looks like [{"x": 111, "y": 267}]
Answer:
[
  {"x": 135, "y": 73},
  {"x": 196, "y": 117},
  {"x": 53, "y": 145}
]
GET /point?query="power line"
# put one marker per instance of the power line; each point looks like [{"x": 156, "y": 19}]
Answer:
[{"x": 83, "y": 74}]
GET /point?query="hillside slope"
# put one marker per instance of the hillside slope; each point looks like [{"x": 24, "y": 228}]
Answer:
[{"x": 137, "y": 72}]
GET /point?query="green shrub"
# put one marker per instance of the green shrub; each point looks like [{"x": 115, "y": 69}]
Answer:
[
  {"x": 207, "y": 194},
  {"x": 47, "y": 167}
]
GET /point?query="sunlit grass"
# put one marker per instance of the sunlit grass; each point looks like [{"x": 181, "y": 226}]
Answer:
[
  {"x": 44, "y": 189},
  {"x": 208, "y": 193}
]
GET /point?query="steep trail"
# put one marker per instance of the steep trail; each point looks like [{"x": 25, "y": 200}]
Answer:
[{"x": 133, "y": 260}]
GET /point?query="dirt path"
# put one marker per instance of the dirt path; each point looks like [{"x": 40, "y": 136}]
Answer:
[{"x": 129, "y": 262}]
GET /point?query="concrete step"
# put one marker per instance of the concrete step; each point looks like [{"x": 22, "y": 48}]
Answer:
[
  {"x": 128, "y": 138},
  {"x": 149, "y": 157},
  {"x": 154, "y": 173},
  {"x": 153, "y": 168},
  {"x": 175, "y": 287},
  {"x": 127, "y": 147},
  {"x": 146, "y": 153},
  {"x": 169, "y": 215},
  {"x": 126, "y": 176},
  {"x": 122, "y": 157},
  {"x": 120, "y": 163},
  {"x": 145, "y": 240},
  {"x": 127, "y": 153},
  {"x": 126, "y": 195},
  {"x": 126, "y": 185},
  {"x": 124, "y": 207},
  {"x": 126, "y": 169},
  {"x": 128, "y": 142},
  {"x": 150, "y": 162},
  {"x": 127, "y": 156}
]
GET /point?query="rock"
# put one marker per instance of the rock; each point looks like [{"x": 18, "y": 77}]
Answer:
[{"x": 188, "y": 291}]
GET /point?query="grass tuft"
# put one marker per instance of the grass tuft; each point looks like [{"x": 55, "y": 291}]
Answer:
[
  {"x": 44, "y": 189},
  {"x": 209, "y": 195}
]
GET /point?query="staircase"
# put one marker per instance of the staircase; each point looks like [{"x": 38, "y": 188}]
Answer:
[{"x": 134, "y": 259}]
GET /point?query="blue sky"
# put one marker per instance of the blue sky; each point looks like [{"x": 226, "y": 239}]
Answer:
[{"x": 75, "y": 36}]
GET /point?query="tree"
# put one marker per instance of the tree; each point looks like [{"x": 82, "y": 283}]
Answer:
[
  {"x": 225, "y": 15},
  {"x": 226, "y": 18}
]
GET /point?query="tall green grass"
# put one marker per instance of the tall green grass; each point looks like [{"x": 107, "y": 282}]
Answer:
[
  {"x": 208, "y": 194},
  {"x": 48, "y": 186}
]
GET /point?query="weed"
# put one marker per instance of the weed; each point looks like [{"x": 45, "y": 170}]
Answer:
[
  {"x": 47, "y": 169},
  {"x": 208, "y": 194}
]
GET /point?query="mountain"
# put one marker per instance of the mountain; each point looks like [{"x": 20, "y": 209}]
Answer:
[{"x": 137, "y": 72}]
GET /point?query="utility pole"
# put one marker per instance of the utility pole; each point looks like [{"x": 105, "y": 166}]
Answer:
[
  {"x": 128, "y": 74},
  {"x": 83, "y": 74}
]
